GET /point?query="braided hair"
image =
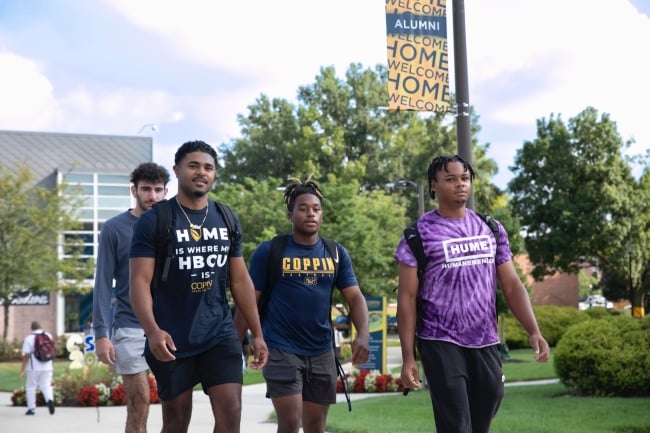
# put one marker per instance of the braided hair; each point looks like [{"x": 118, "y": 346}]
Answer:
[
  {"x": 440, "y": 163},
  {"x": 297, "y": 188}
]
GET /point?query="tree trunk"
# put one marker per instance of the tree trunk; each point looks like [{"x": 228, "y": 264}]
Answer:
[{"x": 638, "y": 302}]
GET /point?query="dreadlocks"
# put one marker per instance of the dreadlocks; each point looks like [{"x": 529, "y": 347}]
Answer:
[
  {"x": 298, "y": 187},
  {"x": 439, "y": 163}
]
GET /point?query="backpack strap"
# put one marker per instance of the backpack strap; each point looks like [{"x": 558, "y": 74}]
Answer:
[
  {"x": 278, "y": 243},
  {"x": 491, "y": 222},
  {"x": 164, "y": 249},
  {"x": 228, "y": 216},
  {"x": 412, "y": 236},
  {"x": 333, "y": 250}
]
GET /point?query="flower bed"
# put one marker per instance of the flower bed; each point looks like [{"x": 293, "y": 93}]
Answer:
[
  {"x": 90, "y": 386},
  {"x": 360, "y": 381}
]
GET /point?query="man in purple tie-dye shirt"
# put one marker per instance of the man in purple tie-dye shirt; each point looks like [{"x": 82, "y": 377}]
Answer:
[{"x": 454, "y": 322}]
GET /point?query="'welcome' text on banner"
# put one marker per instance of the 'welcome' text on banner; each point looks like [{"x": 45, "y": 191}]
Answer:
[{"x": 418, "y": 62}]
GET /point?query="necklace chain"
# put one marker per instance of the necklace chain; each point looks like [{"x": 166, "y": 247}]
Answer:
[{"x": 195, "y": 230}]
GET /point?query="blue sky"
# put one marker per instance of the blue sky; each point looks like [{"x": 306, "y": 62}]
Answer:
[{"x": 190, "y": 67}]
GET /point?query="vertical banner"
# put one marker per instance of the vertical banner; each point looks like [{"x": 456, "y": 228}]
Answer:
[
  {"x": 377, "y": 341},
  {"x": 418, "y": 61}
]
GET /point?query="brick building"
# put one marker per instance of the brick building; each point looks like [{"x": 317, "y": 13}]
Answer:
[{"x": 100, "y": 165}]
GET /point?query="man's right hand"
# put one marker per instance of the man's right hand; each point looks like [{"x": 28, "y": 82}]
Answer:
[
  {"x": 161, "y": 345},
  {"x": 105, "y": 351}
]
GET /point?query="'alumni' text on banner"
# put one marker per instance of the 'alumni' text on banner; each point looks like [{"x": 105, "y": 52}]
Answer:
[{"x": 418, "y": 62}]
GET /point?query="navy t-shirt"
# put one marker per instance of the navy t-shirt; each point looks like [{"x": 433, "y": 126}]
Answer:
[
  {"x": 298, "y": 314},
  {"x": 192, "y": 306}
]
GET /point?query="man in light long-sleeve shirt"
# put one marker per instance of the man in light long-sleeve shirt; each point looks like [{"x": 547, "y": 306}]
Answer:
[{"x": 120, "y": 340}]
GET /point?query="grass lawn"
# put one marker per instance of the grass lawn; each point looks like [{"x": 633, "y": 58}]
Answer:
[{"x": 525, "y": 409}]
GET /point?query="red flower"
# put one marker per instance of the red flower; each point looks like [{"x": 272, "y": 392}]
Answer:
[
  {"x": 360, "y": 382},
  {"x": 88, "y": 396},
  {"x": 400, "y": 385},
  {"x": 381, "y": 383},
  {"x": 118, "y": 396},
  {"x": 339, "y": 386},
  {"x": 153, "y": 390},
  {"x": 18, "y": 398}
]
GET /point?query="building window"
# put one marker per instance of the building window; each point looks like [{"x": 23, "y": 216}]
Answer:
[{"x": 103, "y": 197}]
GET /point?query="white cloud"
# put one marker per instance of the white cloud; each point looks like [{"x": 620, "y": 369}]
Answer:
[
  {"x": 28, "y": 101},
  {"x": 530, "y": 59},
  {"x": 526, "y": 60}
]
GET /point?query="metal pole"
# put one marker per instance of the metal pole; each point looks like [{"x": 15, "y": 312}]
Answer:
[
  {"x": 420, "y": 199},
  {"x": 629, "y": 273},
  {"x": 463, "y": 127}
]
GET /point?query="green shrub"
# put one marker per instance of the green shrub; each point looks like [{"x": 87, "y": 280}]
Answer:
[
  {"x": 553, "y": 322},
  {"x": 606, "y": 357},
  {"x": 60, "y": 347},
  {"x": 10, "y": 351},
  {"x": 598, "y": 312}
]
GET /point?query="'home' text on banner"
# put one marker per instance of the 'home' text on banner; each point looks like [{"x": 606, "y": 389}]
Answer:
[{"x": 418, "y": 62}]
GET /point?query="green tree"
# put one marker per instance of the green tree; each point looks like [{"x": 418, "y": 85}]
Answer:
[
  {"x": 575, "y": 196},
  {"x": 358, "y": 220},
  {"x": 340, "y": 131},
  {"x": 340, "y": 127},
  {"x": 32, "y": 220}
]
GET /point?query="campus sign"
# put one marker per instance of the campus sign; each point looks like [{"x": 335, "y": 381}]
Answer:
[
  {"x": 28, "y": 298},
  {"x": 377, "y": 340}
]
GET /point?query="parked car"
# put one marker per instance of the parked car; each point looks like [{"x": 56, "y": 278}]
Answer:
[
  {"x": 342, "y": 324},
  {"x": 391, "y": 324},
  {"x": 593, "y": 301}
]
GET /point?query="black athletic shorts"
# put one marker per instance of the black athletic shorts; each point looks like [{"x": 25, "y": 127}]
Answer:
[{"x": 216, "y": 366}]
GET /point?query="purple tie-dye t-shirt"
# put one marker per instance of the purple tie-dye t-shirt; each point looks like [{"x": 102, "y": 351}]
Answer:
[{"x": 459, "y": 292}]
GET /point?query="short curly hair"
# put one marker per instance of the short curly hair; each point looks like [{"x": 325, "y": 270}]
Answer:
[
  {"x": 151, "y": 172},
  {"x": 194, "y": 146}
]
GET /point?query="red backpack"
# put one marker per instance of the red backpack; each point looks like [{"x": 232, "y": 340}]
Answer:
[{"x": 43, "y": 347}]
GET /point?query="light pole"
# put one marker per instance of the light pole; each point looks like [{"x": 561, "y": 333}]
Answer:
[
  {"x": 148, "y": 126},
  {"x": 629, "y": 272},
  {"x": 463, "y": 121}
]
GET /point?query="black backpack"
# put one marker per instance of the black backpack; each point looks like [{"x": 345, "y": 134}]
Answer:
[
  {"x": 164, "y": 249},
  {"x": 278, "y": 244},
  {"x": 43, "y": 347}
]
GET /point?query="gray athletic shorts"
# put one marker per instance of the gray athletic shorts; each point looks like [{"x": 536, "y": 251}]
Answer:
[
  {"x": 129, "y": 350},
  {"x": 312, "y": 376}
]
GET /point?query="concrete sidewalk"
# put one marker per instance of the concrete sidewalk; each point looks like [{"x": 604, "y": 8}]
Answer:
[{"x": 256, "y": 409}]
